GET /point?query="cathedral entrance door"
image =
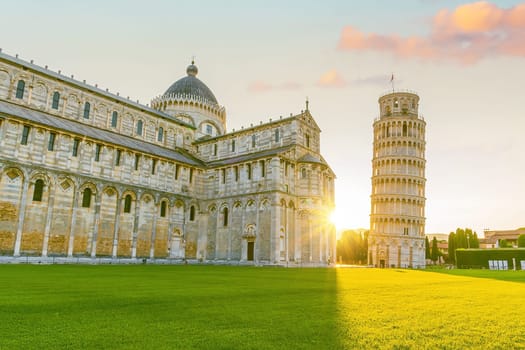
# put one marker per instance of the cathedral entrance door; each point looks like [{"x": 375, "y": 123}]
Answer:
[
  {"x": 250, "y": 251},
  {"x": 382, "y": 264}
]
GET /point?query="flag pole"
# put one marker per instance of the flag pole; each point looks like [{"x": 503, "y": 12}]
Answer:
[{"x": 392, "y": 82}]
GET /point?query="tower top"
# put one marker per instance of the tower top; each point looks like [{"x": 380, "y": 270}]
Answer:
[{"x": 399, "y": 103}]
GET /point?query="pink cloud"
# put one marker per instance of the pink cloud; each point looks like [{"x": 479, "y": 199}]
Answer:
[
  {"x": 261, "y": 86},
  {"x": 332, "y": 78},
  {"x": 466, "y": 34}
]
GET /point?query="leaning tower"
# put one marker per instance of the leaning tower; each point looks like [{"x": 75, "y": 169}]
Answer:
[{"x": 397, "y": 218}]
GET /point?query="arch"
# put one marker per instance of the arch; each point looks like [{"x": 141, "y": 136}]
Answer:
[
  {"x": 128, "y": 198},
  {"x": 86, "y": 197},
  {"x": 38, "y": 190}
]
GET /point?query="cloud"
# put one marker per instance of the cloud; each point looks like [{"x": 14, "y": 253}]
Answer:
[
  {"x": 467, "y": 34},
  {"x": 332, "y": 78},
  {"x": 260, "y": 86},
  {"x": 381, "y": 80}
]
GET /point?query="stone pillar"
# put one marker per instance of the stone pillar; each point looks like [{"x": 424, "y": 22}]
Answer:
[
  {"x": 21, "y": 216},
  {"x": 297, "y": 237},
  {"x": 257, "y": 235},
  {"x": 116, "y": 227},
  {"x": 72, "y": 223},
  {"x": 399, "y": 256},
  {"x": 96, "y": 224},
  {"x": 275, "y": 215},
  {"x": 286, "y": 232},
  {"x": 244, "y": 242},
  {"x": 154, "y": 232},
  {"x": 135, "y": 227},
  {"x": 49, "y": 218}
]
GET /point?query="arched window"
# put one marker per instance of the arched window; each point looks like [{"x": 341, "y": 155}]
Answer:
[
  {"x": 86, "y": 198},
  {"x": 139, "y": 127},
  {"x": 209, "y": 129},
  {"x": 253, "y": 140},
  {"x": 87, "y": 109},
  {"x": 405, "y": 130},
  {"x": 127, "y": 204},
  {"x": 163, "y": 209},
  {"x": 225, "y": 217},
  {"x": 160, "y": 136},
  {"x": 303, "y": 173},
  {"x": 277, "y": 135},
  {"x": 396, "y": 103},
  {"x": 38, "y": 191},
  {"x": 233, "y": 145},
  {"x": 192, "y": 213},
  {"x": 307, "y": 140},
  {"x": 56, "y": 100},
  {"x": 114, "y": 119},
  {"x": 20, "y": 87}
]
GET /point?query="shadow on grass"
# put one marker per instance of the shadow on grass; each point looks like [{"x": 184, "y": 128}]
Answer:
[{"x": 176, "y": 307}]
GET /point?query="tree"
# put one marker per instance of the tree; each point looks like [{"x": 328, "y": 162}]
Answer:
[
  {"x": 352, "y": 247},
  {"x": 474, "y": 241},
  {"x": 452, "y": 247},
  {"x": 521, "y": 241},
  {"x": 427, "y": 248},
  {"x": 434, "y": 255},
  {"x": 503, "y": 243}
]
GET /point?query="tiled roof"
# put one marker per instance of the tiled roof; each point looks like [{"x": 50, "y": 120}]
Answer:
[
  {"x": 93, "y": 89},
  {"x": 249, "y": 156},
  {"x": 97, "y": 134}
]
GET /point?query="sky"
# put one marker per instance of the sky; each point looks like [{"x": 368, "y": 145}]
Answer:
[{"x": 262, "y": 59}]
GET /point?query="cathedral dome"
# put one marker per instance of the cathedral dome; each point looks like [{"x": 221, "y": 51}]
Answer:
[{"x": 191, "y": 86}]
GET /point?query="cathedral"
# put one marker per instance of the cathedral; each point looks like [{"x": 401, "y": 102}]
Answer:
[{"x": 87, "y": 175}]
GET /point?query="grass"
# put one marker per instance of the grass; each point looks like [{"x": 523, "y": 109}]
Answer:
[{"x": 214, "y": 307}]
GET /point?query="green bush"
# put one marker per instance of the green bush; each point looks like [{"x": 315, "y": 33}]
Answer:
[{"x": 479, "y": 258}]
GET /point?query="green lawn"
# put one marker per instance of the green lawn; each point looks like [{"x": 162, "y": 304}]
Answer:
[{"x": 214, "y": 307}]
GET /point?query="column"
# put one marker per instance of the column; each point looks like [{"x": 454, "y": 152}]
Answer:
[
  {"x": 98, "y": 198},
  {"x": 275, "y": 217},
  {"x": 154, "y": 232},
  {"x": 21, "y": 217},
  {"x": 116, "y": 227},
  {"x": 49, "y": 218},
  {"x": 257, "y": 236},
  {"x": 72, "y": 225},
  {"x": 135, "y": 227}
]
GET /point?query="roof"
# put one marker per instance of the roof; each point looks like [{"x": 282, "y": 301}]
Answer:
[
  {"x": 80, "y": 129},
  {"x": 309, "y": 158},
  {"x": 191, "y": 86},
  {"x": 249, "y": 156},
  {"x": 93, "y": 89}
]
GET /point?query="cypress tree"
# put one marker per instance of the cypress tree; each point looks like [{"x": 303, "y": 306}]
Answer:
[
  {"x": 435, "y": 252},
  {"x": 452, "y": 247}
]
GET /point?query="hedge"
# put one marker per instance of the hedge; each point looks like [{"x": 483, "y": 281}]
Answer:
[{"x": 479, "y": 258}]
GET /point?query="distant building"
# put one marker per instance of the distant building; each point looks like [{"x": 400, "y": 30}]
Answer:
[
  {"x": 397, "y": 218},
  {"x": 493, "y": 237}
]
